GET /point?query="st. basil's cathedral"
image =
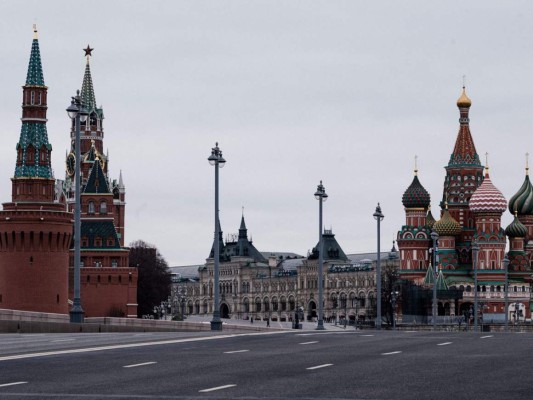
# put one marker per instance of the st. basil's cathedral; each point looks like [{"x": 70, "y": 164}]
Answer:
[
  {"x": 36, "y": 227},
  {"x": 471, "y": 211}
]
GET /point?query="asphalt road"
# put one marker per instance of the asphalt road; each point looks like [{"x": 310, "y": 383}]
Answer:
[{"x": 286, "y": 365}]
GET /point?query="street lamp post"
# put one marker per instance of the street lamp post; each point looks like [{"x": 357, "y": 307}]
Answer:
[
  {"x": 506, "y": 292},
  {"x": 475, "y": 251},
  {"x": 434, "y": 237},
  {"x": 378, "y": 216},
  {"x": 77, "y": 112},
  {"x": 321, "y": 196},
  {"x": 217, "y": 161},
  {"x": 394, "y": 297}
]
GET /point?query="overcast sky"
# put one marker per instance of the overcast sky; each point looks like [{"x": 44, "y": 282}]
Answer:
[{"x": 295, "y": 92}]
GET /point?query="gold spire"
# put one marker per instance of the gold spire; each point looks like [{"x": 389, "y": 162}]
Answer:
[
  {"x": 464, "y": 101},
  {"x": 416, "y": 165},
  {"x": 35, "y": 35},
  {"x": 486, "y": 163},
  {"x": 527, "y": 163}
]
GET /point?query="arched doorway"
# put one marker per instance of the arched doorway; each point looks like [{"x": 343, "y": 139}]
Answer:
[
  {"x": 311, "y": 311},
  {"x": 224, "y": 310}
]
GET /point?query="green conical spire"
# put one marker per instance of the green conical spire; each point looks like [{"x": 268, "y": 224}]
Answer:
[
  {"x": 35, "y": 69},
  {"x": 441, "y": 281},
  {"x": 87, "y": 90},
  {"x": 33, "y": 148}
]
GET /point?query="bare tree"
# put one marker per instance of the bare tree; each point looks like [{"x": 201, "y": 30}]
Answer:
[{"x": 154, "y": 281}]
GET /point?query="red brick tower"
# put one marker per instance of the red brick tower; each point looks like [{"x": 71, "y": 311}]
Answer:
[
  {"x": 414, "y": 237},
  {"x": 464, "y": 173},
  {"x": 35, "y": 231},
  {"x": 108, "y": 284}
]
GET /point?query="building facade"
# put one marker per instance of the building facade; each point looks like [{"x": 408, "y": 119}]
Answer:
[
  {"x": 471, "y": 211},
  {"x": 273, "y": 285}
]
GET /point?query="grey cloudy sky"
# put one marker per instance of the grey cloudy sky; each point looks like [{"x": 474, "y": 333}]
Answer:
[{"x": 294, "y": 92}]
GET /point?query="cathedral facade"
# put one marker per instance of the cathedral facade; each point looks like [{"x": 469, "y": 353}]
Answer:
[{"x": 470, "y": 218}]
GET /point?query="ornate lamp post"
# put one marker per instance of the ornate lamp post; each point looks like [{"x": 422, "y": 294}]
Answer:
[
  {"x": 475, "y": 251},
  {"x": 378, "y": 216},
  {"x": 394, "y": 297},
  {"x": 434, "y": 237},
  {"x": 321, "y": 196},
  {"x": 217, "y": 161},
  {"x": 77, "y": 112},
  {"x": 506, "y": 292}
]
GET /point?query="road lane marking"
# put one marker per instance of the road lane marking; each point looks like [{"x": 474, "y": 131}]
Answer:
[
  {"x": 12, "y": 384},
  {"x": 485, "y": 337},
  {"x": 367, "y": 335},
  {"x": 235, "y": 351},
  {"x": 316, "y": 341},
  {"x": 140, "y": 365},
  {"x": 320, "y": 366},
  {"x": 62, "y": 340},
  {"x": 215, "y": 388},
  {"x": 444, "y": 344},
  {"x": 391, "y": 353},
  {"x": 132, "y": 345}
]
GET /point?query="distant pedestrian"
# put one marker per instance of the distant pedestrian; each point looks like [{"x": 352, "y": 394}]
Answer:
[
  {"x": 268, "y": 322},
  {"x": 251, "y": 320}
]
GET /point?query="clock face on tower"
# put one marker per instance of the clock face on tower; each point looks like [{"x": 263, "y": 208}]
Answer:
[{"x": 71, "y": 164}]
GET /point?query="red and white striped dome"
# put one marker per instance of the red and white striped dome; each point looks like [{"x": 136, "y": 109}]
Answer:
[{"x": 487, "y": 198}]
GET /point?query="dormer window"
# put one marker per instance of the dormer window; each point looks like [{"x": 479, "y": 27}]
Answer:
[
  {"x": 98, "y": 241},
  {"x": 30, "y": 155}
]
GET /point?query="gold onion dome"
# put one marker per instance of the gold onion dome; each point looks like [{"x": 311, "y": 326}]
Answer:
[
  {"x": 447, "y": 225},
  {"x": 516, "y": 229},
  {"x": 464, "y": 100}
]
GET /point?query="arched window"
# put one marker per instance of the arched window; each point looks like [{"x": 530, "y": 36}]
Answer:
[
  {"x": 258, "y": 304},
  {"x": 103, "y": 207},
  {"x": 90, "y": 207}
]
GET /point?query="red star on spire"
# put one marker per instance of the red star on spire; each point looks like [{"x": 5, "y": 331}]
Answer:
[{"x": 88, "y": 51}]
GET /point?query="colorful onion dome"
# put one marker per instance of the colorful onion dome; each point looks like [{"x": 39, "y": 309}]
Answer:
[
  {"x": 487, "y": 198},
  {"x": 416, "y": 196},
  {"x": 447, "y": 225},
  {"x": 522, "y": 201},
  {"x": 430, "y": 220},
  {"x": 516, "y": 229},
  {"x": 464, "y": 101}
]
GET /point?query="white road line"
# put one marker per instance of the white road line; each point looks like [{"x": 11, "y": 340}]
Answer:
[
  {"x": 444, "y": 344},
  {"x": 62, "y": 340},
  {"x": 367, "y": 335},
  {"x": 316, "y": 341},
  {"x": 391, "y": 353},
  {"x": 235, "y": 351},
  {"x": 12, "y": 384},
  {"x": 485, "y": 337},
  {"x": 216, "y": 388},
  {"x": 140, "y": 365},
  {"x": 320, "y": 366},
  {"x": 132, "y": 345}
]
